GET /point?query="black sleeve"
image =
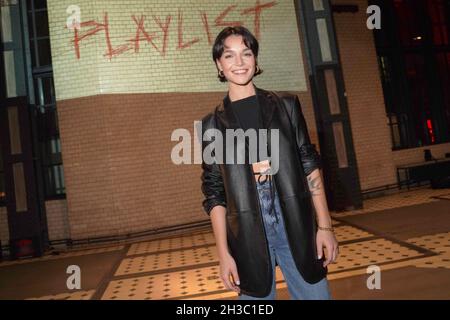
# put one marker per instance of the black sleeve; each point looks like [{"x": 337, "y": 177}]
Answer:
[
  {"x": 308, "y": 154},
  {"x": 212, "y": 182}
]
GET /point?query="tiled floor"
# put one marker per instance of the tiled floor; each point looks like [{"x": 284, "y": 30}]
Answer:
[
  {"x": 186, "y": 267},
  {"x": 189, "y": 241},
  {"x": 77, "y": 295},
  {"x": 176, "y": 258},
  {"x": 438, "y": 243},
  {"x": 404, "y": 198}
]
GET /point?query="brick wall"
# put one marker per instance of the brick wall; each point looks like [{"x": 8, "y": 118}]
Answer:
[
  {"x": 118, "y": 171},
  {"x": 57, "y": 219},
  {"x": 414, "y": 155},
  {"x": 371, "y": 135},
  {"x": 110, "y": 60}
]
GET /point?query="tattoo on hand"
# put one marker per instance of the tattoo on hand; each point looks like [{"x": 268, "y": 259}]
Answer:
[{"x": 314, "y": 185}]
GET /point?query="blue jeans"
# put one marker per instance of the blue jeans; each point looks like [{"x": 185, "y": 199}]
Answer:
[{"x": 280, "y": 252}]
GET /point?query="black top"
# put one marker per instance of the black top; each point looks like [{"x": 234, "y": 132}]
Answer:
[{"x": 247, "y": 112}]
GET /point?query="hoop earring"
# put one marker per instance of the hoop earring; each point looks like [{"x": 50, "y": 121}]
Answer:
[
  {"x": 221, "y": 75},
  {"x": 257, "y": 69}
]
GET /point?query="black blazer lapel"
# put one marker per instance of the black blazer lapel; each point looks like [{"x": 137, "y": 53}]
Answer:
[{"x": 267, "y": 105}]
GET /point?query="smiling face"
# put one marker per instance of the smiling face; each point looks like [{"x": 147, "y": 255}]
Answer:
[{"x": 237, "y": 62}]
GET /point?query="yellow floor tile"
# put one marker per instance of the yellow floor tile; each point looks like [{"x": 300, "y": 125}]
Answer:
[
  {"x": 188, "y": 241},
  {"x": 78, "y": 295},
  {"x": 370, "y": 252},
  {"x": 167, "y": 260}
]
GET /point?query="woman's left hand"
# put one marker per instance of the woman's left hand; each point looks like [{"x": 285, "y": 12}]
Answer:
[{"x": 326, "y": 240}]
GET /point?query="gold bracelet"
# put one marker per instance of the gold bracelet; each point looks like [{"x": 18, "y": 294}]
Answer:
[{"x": 326, "y": 229}]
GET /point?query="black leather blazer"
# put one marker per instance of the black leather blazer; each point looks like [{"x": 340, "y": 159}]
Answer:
[{"x": 233, "y": 186}]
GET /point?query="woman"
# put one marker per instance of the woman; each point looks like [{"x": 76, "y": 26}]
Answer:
[{"x": 261, "y": 219}]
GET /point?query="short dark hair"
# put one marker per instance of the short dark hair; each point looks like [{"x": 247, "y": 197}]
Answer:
[{"x": 248, "y": 38}]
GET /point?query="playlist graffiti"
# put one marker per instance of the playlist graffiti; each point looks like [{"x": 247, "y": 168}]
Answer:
[{"x": 85, "y": 29}]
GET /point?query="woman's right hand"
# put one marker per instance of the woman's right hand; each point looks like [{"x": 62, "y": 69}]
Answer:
[
  {"x": 228, "y": 273},
  {"x": 228, "y": 269}
]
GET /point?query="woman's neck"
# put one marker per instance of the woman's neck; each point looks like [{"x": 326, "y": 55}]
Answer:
[{"x": 237, "y": 92}]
